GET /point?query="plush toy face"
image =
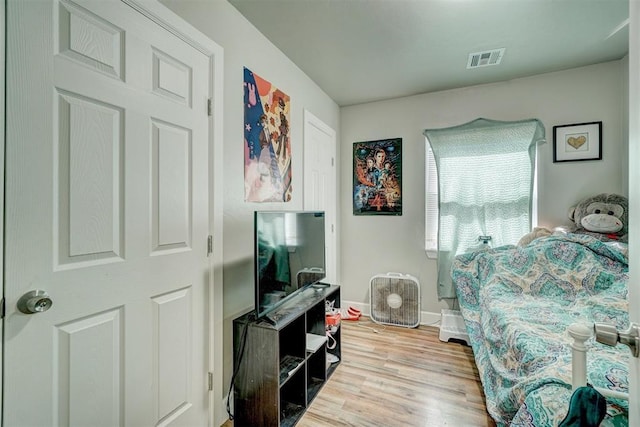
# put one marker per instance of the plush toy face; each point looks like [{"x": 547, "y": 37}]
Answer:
[
  {"x": 604, "y": 213},
  {"x": 603, "y": 217}
]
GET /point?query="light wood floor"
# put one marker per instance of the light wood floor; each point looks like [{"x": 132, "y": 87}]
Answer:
[{"x": 399, "y": 377}]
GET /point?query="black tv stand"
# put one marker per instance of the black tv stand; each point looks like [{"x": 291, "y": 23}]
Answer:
[{"x": 282, "y": 360}]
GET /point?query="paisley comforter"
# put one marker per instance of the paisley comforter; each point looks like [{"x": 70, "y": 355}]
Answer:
[{"x": 517, "y": 303}]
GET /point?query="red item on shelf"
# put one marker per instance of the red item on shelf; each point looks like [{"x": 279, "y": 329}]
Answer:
[{"x": 333, "y": 319}]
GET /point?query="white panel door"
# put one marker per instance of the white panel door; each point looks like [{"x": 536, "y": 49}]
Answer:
[
  {"x": 634, "y": 201},
  {"x": 107, "y": 211},
  {"x": 320, "y": 182}
]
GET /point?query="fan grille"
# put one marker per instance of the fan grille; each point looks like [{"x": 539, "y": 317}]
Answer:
[{"x": 395, "y": 300}]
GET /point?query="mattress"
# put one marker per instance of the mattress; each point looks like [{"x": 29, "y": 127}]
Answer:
[{"x": 517, "y": 303}]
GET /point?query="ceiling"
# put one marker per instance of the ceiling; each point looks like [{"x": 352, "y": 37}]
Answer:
[{"x": 360, "y": 51}]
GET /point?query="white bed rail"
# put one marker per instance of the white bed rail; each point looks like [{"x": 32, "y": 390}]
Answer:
[{"x": 580, "y": 333}]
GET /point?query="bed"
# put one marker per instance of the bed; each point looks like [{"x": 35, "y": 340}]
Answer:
[{"x": 517, "y": 303}]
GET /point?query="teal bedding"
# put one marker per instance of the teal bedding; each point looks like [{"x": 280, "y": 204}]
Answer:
[{"x": 517, "y": 303}]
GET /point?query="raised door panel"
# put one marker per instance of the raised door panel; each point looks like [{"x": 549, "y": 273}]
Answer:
[
  {"x": 172, "y": 360},
  {"x": 172, "y": 78},
  {"x": 88, "y": 356},
  {"x": 90, "y": 40},
  {"x": 88, "y": 178},
  {"x": 171, "y": 181}
]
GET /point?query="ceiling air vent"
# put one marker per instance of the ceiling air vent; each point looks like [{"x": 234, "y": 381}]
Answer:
[{"x": 485, "y": 59}]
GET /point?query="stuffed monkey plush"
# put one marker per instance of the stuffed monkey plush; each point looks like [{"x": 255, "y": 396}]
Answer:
[{"x": 604, "y": 216}]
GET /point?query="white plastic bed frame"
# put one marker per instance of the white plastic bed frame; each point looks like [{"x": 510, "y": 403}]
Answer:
[{"x": 580, "y": 333}]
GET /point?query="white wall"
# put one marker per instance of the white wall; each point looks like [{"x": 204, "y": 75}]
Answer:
[
  {"x": 624, "y": 63},
  {"x": 245, "y": 46},
  {"x": 379, "y": 244}
]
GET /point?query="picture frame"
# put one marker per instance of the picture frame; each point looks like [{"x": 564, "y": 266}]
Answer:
[
  {"x": 377, "y": 177},
  {"x": 577, "y": 142}
]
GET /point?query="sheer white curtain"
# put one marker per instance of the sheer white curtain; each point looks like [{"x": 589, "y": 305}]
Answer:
[
  {"x": 485, "y": 180},
  {"x": 430, "y": 202}
]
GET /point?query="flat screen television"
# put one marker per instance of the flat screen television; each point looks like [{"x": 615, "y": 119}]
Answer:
[{"x": 288, "y": 255}]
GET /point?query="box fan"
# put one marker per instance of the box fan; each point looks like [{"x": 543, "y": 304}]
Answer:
[{"x": 394, "y": 299}]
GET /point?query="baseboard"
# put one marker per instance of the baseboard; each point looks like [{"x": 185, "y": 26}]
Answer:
[
  {"x": 225, "y": 416},
  {"x": 427, "y": 318}
]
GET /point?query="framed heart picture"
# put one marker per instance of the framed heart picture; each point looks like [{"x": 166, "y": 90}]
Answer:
[{"x": 579, "y": 141}]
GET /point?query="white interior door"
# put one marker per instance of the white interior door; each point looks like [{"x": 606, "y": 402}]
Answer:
[
  {"x": 320, "y": 182},
  {"x": 107, "y": 211},
  {"x": 634, "y": 201}
]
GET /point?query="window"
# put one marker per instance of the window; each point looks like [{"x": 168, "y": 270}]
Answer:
[
  {"x": 479, "y": 182},
  {"x": 431, "y": 203}
]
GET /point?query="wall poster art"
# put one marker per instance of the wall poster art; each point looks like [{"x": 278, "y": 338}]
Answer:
[
  {"x": 267, "y": 147},
  {"x": 377, "y": 177}
]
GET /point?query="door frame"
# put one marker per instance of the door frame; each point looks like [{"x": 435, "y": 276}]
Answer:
[
  {"x": 634, "y": 198},
  {"x": 3, "y": 58},
  {"x": 171, "y": 22}
]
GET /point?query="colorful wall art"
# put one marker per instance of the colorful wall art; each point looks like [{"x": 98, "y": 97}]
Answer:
[
  {"x": 377, "y": 177},
  {"x": 267, "y": 147}
]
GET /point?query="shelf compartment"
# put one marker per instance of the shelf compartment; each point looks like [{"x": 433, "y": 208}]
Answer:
[
  {"x": 316, "y": 319},
  {"x": 293, "y": 398},
  {"x": 288, "y": 367},
  {"x": 336, "y": 351},
  {"x": 316, "y": 374},
  {"x": 315, "y": 342},
  {"x": 330, "y": 364},
  {"x": 291, "y": 341},
  {"x": 290, "y": 413},
  {"x": 313, "y": 387}
]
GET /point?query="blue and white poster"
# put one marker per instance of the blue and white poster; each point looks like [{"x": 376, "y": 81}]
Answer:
[{"x": 267, "y": 147}]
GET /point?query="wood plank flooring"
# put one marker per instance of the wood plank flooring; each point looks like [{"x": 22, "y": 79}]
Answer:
[{"x": 399, "y": 377}]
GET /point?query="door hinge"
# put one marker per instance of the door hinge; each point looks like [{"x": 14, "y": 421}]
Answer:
[
  {"x": 210, "y": 380},
  {"x": 332, "y": 159},
  {"x": 2, "y": 308},
  {"x": 209, "y": 245},
  {"x": 209, "y": 107}
]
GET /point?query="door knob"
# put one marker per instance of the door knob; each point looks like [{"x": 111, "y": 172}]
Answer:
[
  {"x": 34, "y": 302},
  {"x": 609, "y": 335}
]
